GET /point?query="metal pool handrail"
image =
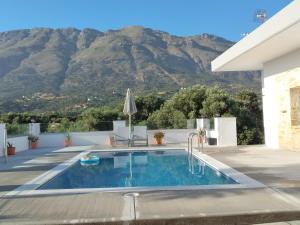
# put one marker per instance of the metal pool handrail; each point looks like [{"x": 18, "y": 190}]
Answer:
[{"x": 190, "y": 143}]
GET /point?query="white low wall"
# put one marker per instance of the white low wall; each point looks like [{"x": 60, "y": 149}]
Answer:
[
  {"x": 172, "y": 136},
  {"x": 51, "y": 140},
  {"x": 212, "y": 134},
  {"x": 91, "y": 138},
  {"x": 102, "y": 138},
  {"x": 77, "y": 138},
  {"x": 21, "y": 143}
]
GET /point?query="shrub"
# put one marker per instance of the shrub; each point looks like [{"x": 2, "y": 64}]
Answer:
[
  {"x": 250, "y": 136},
  {"x": 166, "y": 118}
]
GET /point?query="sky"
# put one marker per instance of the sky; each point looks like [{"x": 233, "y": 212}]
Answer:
[{"x": 225, "y": 18}]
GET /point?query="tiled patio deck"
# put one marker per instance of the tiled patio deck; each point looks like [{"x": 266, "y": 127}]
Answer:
[{"x": 278, "y": 169}]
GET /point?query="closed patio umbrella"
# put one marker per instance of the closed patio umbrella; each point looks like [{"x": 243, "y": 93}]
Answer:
[{"x": 129, "y": 109}]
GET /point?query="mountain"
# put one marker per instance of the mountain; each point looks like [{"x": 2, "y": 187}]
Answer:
[{"x": 49, "y": 69}]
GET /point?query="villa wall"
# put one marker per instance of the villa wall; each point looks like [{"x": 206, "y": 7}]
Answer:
[{"x": 281, "y": 101}]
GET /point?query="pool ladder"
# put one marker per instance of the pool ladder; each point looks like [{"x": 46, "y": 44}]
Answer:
[
  {"x": 190, "y": 154},
  {"x": 190, "y": 143}
]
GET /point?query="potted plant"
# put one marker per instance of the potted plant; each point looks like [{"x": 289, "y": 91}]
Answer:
[
  {"x": 158, "y": 137},
  {"x": 201, "y": 134},
  {"x": 11, "y": 150},
  {"x": 201, "y": 137},
  {"x": 67, "y": 141},
  {"x": 33, "y": 141},
  {"x": 111, "y": 140}
]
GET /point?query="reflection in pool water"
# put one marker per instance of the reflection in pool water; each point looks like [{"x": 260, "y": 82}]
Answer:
[{"x": 139, "y": 169}]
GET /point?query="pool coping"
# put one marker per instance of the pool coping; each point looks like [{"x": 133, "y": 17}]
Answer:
[{"x": 29, "y": 188}]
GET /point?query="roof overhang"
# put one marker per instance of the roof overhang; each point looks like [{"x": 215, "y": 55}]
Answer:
[{"x": 274, "y": 38}]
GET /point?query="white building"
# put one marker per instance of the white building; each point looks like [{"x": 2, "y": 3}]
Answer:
[{"x": 273, "y": 48}]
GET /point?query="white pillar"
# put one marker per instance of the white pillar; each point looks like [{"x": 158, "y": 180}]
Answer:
[
  {"x": 2, "y": 139},
  {"x": 225, "y": 128},
  {"x": 118, "y": 123},
  {"x": 203, "y": 123},
  {"x": 34, "y": 129}
]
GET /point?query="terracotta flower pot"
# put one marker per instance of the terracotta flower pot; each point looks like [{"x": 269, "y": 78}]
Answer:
[
  {"x": 200, "y": 139},
  {"x": 158, "y": 141},
  {"x": 67, "y": 143},
  {"x": 34, "y": 144},
  {"x": 111, "y": 141},
  {"x": 11, "y": 150}
]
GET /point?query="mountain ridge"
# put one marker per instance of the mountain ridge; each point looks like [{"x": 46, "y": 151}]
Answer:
[{"x": 71, "y": 65}]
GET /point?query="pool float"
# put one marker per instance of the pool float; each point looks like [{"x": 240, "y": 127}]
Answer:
[{"x": 90, "y": 160}]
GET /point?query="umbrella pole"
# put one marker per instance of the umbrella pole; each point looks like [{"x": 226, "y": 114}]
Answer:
[{"x": 129, "y": 130}]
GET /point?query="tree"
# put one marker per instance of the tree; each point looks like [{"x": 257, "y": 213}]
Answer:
[
  {"x": 146, "y": 105},
  {"x": 64, "y": 126},
  {"x": 217, "y": 102},
  {"x": 249, "y": 118},
  {"x": 96, "y": 119},
  {"x": 188, "y": 101},
  {"x": 166, "y": 118}
]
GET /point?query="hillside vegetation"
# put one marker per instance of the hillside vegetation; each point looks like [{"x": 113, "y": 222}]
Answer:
[{"x": 190, "y": 103}]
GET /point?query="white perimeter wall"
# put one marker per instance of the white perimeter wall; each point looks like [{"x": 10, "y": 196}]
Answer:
[
  {"x": 77, "y": 138},
  {"x": 51, "y": 140},
  {"x": 226, "y": 136},
  {"x": 172, "y": 136},
  {"x": 102, "y": 138},
  {"x": 21, "y": 143}
]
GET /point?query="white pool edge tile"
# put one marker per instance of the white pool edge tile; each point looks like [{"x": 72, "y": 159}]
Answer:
[{"x": 29, "y": 188}]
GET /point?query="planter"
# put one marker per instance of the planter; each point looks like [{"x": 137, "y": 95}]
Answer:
[
  {"x": 200, "y": 139},
  {"x": 67, "y": 143},
  {"x": 33, "y": 144},
  {"x": 212, "y": 141},
  {"x": 11, "y": 150},
  {"x": 158, "y": 141},
  {"x": 111, "y": 141}
]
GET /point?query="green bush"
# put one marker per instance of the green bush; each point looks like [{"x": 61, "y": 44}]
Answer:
[
  {"x": 16, "y": 128},
  {"x": 250, "y": 136},
  {"x": 166, "y": 118}
]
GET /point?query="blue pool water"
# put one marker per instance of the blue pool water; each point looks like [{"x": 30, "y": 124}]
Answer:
[{"x": 139, "y": 169}]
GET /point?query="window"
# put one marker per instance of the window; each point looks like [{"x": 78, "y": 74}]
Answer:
[{"x": 295, "y": 106}]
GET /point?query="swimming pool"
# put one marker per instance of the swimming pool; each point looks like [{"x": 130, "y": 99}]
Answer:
[
  {"x": 126, "y": 170},
  {"x": 139, "y": 169}
]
